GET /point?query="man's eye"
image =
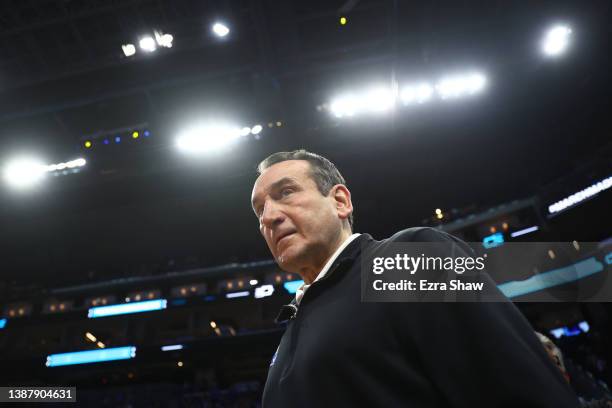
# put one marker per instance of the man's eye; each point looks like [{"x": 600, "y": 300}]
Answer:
[{"x": 286, "y": 191}]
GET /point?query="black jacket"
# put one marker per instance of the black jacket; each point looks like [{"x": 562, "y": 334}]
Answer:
[{"x": 340, "y": 352}]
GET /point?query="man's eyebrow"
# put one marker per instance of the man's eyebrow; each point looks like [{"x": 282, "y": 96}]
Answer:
[
  {"x": 282, "y": 182},
  {"x": 276, "y": 185}
]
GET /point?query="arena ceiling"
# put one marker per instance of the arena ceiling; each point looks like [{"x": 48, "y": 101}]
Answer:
[{"x": 64, "y": 77}]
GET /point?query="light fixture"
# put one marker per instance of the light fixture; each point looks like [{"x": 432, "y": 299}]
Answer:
[
  {"x": 580, "y": 196},
  {"x": 172, "y": 347},
  {"x": 263, "y": 291},
  {"x": 127, "y": 308},
  {"x": 346, "y": 105},
  {"x": 128, "y": 49},
  {"x": 556, "y": 40},
  {"x": 24, "y": 172},
  {"x": 220, "y": 29},
  {"x": 164, "y": 40},
  {"x": 524, "y": 231},
  {"x": 292, "y": 286},
  {"x": 379, "y": 99},
  {"x": 460, "y": 85},
  {"x": 80, "y": 162},
  {"x": 206, "y": 138},
  {"x": 233, "y": 295},
  {"x": 147, "y": 44},
  {"x": 91, "y": 356}
]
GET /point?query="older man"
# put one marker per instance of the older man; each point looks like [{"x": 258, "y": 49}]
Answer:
[{"x": 339, "y": 351}]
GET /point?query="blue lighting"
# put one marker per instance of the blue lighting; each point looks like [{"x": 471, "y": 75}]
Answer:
[
  {"x": 147, "y": 133},
  {"x": 582, "y": 327},
  {"x": 552, "y": 278},
  {"x": 2, "y": 323},
  {"x": 91, "y": 356},
  {"x": 210, "y": 298},
  {"x": 293, "y": 286},
  {"x": 608, "y": 258},
  {"x": 493, "y": 240},
  {"x": 126, "y": 308},
  {"x": 106, "y": 141},
  {"x": 117, "y": 139}
]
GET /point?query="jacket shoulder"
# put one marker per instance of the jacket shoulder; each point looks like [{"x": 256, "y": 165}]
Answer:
[
  {"x": 429, "y": 234},
  {"x": 420, "y": 234}
]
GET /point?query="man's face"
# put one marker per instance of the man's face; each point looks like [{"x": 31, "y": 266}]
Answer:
[{"x": 298, "y": 223}]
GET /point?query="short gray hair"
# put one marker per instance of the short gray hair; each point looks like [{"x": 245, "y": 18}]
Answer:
[{"x": 324, "y": 173}]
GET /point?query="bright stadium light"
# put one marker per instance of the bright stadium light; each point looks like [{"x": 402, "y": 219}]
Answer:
[
  {"x": 128, "y": 49},
  {"x": 220, "y": 29},
  {"x": 147, "y": 44},
  {"x": 383, "y": 99},
  {"x": 24, "y": 172},
  {"x": 164, "y": 40},
  {"x": 556, "y": 40},
  {"x": 379, "y": 99},
  {"x": 206, "y": 138},
  {"x": 346, "y": 105},
  {"x": 418, "y": 93},
  {"x": 256, "y": 129},
  {"x": 245, "y": 131},
  {"x": 80, "y": 162},
  {"x": 460, "y": 85}
]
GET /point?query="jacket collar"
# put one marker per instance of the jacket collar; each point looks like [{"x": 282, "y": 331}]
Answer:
[{"x": 348, "y": 255}]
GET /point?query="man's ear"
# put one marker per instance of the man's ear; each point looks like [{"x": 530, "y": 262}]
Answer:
[{"x": 342, "y": 199}]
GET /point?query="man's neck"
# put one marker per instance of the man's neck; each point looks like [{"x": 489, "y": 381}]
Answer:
[{"x": 309, "y": 274}]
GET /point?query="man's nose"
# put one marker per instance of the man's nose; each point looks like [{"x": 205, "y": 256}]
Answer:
[{"x": 271, "y": 215}]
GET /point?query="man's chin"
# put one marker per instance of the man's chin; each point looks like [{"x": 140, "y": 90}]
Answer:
[{"x": 287, "y": 260}]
